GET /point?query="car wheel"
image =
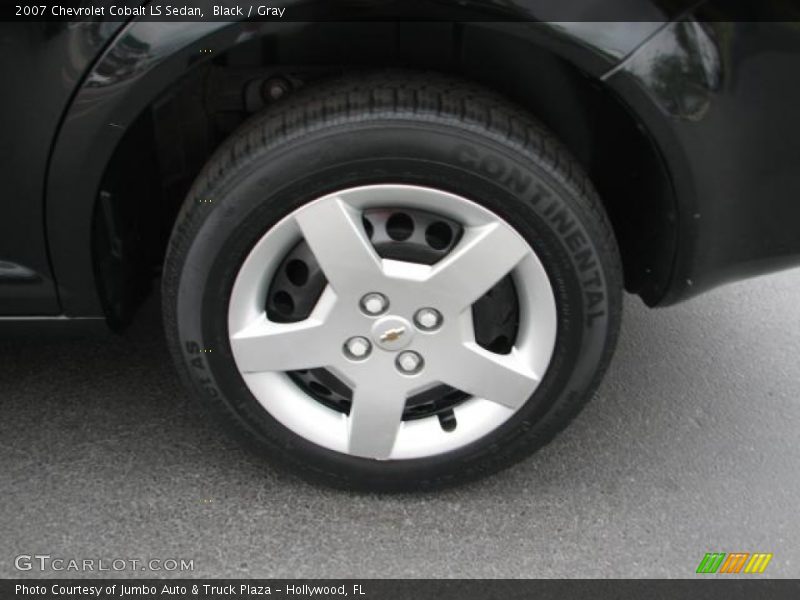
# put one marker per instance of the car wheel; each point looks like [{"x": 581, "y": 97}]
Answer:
[{"x": 391, "y": 282}]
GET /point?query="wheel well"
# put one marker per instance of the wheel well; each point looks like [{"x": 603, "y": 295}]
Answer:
[{"x": 161, "y": 153}]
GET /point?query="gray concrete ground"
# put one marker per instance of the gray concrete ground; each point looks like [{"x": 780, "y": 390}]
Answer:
[{"x": 692, "y": 445}]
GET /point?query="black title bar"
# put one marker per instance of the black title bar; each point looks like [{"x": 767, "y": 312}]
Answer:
[{"x": 398, "y": 10}]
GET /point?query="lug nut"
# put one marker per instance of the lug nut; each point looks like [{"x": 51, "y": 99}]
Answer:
[
  {"x": 374, "y": 304},
  {"x": 357, "y": 348},
  {"x": 409, "y": 363},
  {"x": 428, "y": 319}
]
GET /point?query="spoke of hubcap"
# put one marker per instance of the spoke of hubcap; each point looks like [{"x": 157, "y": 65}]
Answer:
[
  {"x": 482, "y": 258},
  {"x": 268, "y": 346},
  {"x": 334, "y": 232},
  {"x": 375, "y": 417},
  {"x": 500, "y": 378}
]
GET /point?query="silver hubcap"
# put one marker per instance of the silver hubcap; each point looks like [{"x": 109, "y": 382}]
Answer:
[{"x": 390, "y": 329}]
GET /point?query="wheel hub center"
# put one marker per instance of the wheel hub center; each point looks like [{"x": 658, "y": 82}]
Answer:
[{"x": 392, "y": 333}]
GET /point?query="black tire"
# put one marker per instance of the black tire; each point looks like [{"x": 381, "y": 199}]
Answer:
[{"x": 400, "y": 128}]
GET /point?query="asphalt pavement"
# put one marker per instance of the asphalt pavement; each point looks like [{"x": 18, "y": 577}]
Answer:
[{"x": 691, "y": 446}]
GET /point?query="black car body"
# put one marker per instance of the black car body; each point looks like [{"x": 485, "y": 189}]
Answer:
[{"x": 687, "y": 123}]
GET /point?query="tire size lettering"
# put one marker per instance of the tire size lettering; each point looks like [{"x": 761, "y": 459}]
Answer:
[
  {"x": 494, "y": 168},
  {"x": 584, "y": 259},
  {"x": 194, "y": 349},
  {"x": 196, "y": 359},
  {"x": 208, "y": 387},
  {"x": 559, "y": 217}
]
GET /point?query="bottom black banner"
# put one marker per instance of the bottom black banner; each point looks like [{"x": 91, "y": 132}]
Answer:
[{"x": 401, "y": 589}]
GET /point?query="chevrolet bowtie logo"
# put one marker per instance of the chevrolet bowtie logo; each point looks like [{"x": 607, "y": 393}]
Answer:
[{"x": 391, "y": 335}]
